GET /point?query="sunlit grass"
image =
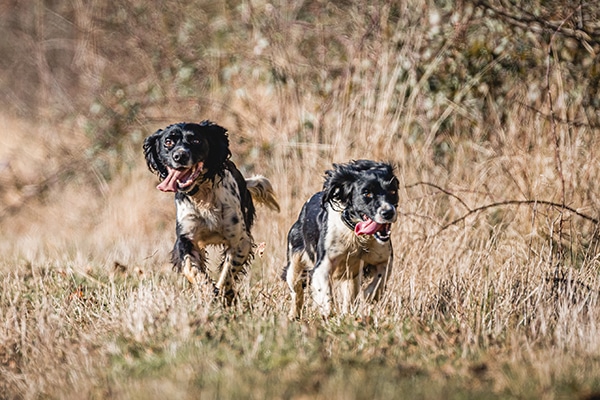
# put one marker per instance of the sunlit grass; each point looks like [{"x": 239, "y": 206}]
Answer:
[{"x": 126, "y": 336}]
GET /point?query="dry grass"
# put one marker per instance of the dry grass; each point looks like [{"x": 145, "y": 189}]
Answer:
[{"x": 501, "y": 304}]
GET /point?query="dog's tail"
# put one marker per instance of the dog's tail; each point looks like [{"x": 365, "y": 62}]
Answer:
[{"x": 262, "y": 191}]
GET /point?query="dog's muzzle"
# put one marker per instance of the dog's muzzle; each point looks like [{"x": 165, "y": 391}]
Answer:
[{"x": 181, "y": 179}]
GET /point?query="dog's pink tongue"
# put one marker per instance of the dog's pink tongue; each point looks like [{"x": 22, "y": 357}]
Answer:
[
  {"x": 367, "y": 227},
  {"x": 169, "y": 184}
]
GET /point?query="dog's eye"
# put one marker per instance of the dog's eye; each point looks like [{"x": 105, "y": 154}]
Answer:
[
  {"x": 169, "y": 142},
  {"x": 368, "y": 195},
  {"x": 195, "y": 141}
]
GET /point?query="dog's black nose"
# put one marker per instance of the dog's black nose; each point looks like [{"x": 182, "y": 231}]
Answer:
[
  {"x": 181, "y": 156},
  {"x": 388, "y": 213}
]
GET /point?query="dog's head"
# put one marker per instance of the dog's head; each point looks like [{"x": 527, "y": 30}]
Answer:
[
  {"x": 184, "y": 153},
  {"x": 367, "y": 194}
]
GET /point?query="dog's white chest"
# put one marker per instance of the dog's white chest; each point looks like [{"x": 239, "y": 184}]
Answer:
[
  {"x": 346, "y": 250},
  {"x": 200, "y": 220},
  {"x": 213, "y": 215}
]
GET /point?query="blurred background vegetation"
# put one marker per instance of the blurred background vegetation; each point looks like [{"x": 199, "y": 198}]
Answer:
[
  {"x": 434, "y": 86},
  {"x": 446, "y": 70}
]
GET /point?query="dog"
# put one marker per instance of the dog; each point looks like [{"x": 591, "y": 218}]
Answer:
[
  {"x": 341, "y": 233},
  {"x": 214, "y": 201}
]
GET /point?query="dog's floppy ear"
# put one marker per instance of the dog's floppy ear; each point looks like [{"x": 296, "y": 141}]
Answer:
[
  {"x": 218, "y": 152},
  {"x": 338, "y": 185},
  {"x": 151, "y": 144}
]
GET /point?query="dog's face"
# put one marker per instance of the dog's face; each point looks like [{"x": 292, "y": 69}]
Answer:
[
  {"x": 181, "y": 154},
  {"x": 368, "y": 193}
]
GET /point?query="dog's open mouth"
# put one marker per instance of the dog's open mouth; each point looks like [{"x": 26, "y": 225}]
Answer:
[
  {"x": 180, "y": 179},
  {"x": 370, "y": 227}
]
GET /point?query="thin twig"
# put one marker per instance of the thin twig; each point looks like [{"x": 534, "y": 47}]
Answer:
[
  {"x": 558, "y": 120},
  {"x": 472, "y": 211},
  {"x": 526, "y": 21},
  {"x": 518, "y": 203},
  {"x": 555, "y": 135},
  {"x": 441, "y": 189}
]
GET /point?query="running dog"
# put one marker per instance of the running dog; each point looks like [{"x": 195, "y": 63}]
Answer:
[
  {"x": 339, "y": 231},
  {"x": 214, "y": 201}
]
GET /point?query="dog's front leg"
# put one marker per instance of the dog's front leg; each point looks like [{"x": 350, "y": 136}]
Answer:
[
  {"x": 321, "y": 286},
  {"x": 381, "y": 275},
  {"x": 349, "y": 292},
  {"x": 190, "y": 260},
  {"x": 236, "y": 259},
  {"x": 191, "y": 269}
]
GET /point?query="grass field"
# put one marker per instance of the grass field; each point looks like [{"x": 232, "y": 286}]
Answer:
[{"x": 495, "y": 287}]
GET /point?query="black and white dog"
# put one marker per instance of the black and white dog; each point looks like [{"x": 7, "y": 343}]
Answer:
[
  {"x": 213, "y": 200},
  {"x": 341, "y": 229}
]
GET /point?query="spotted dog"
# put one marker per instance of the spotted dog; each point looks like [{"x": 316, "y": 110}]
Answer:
[
  {"x": 214, "y": 201},
  {"x": 341, "y": 229}
]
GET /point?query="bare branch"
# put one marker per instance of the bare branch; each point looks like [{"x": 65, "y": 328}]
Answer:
[
  {"x": 534, "y": 23},
  {"x": 449, "y": 193},
  {"x": 477, "y": 210},
  {"x": 517, "y": 203},
  {"x": 557, "y": 119}
]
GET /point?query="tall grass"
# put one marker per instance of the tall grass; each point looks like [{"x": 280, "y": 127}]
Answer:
[{"x": 493, "y": 295}]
